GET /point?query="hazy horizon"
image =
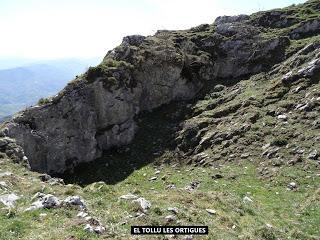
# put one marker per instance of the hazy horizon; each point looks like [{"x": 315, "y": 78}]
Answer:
[
  {"x": 44, "y": 30},
  {"x": 12, "y": 62}
]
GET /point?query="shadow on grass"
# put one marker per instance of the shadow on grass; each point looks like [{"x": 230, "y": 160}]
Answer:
[
  {"x": 154, "y": 142},
  {"x": 156, "y": 134}
]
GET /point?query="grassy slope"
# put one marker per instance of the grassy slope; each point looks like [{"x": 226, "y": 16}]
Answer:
[
  {"x": 294, "y": 214},
  {"x": 274, "y": 213}
]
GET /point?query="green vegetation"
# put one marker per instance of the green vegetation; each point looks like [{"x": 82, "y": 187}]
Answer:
[
  {"x": 43, "y": 101},
  {"x": 296, "y": 45},
  {"x": 242, "y": 145},
  {"x": 307, "y": 11},
  {"x": 112, "y": 73},
  {"x": 275, "y": 212}
]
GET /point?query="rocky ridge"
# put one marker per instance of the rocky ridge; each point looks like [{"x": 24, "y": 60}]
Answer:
[{"x": 241, "y": 70}]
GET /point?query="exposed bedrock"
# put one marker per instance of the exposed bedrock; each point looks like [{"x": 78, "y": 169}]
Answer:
[{"x": 96, "y": 111}]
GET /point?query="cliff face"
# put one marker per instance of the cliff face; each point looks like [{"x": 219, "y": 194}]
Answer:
[{"x": 97, "y": 110}]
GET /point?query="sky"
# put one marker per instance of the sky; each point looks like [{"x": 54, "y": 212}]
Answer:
[{"x": 51, "y": 29}]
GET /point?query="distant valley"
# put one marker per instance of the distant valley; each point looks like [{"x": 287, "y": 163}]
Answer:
[{"x": 25, "y": 85}]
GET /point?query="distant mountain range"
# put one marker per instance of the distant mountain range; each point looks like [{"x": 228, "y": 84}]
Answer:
[{"x": 25, "y": 85}]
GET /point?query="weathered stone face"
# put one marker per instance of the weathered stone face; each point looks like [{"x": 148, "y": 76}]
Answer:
[
  {"x": 274, "y": 19},
  {"x": 245, "y": 57},
  {"x": 234, "y": 122},
  {"x": 79, "y": 125},
  {"x": 306, "y": 28},
  {"x": 231, "y": 19}
]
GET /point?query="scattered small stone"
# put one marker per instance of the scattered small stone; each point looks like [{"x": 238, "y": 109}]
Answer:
[
  {"x": 173, "y": 209},
  {"x": 144, "y": 205},
  {"x": 95, "y": 229},
  {"x": 3, "y": 184},
  {"x": 264, "y": 147},
  {"x": 170, "y": 218},
  {"x": 313, "y": 155},
  {"x": 246, "y": 199},
  {"x": 44, "y": 177},
  {"x": 244, "y": 155},
  {"x": 75, "y": 201},
  {"x": 38, "y": 195},
  {"x": 188, "y": 238},
  {"x": 139, "y": 215},
  {"x": 218, "y": 88},
  {"x": 157, "y": 172},
  {"x": 302, "y": 107},
  {"x": 153, "y": 178},
  {"x": 46, "y": 201},
  {"x": 300, "y": 151},
  {"x": 9, "y": 199},
  {"x": 43, "y": 214},
  {"x": 82, "y": 214},
  {"x": 297, "y": 89},
  {"x": 25, "y": 159},
  {"x": 94, "y": 221},
  {"x": 269, "y": 153},
  {"x": 171, "y": 186},
  {"x": 268, "y": 225},
  {"x": 56, "y": 181},
  {"x": 6, "y": 174},
  {"x": 292, "y": 186},
  {"x": 192, "y": 186},
  {"x": 95, "y": 186},
  {"x": 93, "y": 225},
  {"x": 211, "y": 211},
  {"x": 128, "y": 196},
  {"x": 282, "y": 117},
  {"x": 295, "y": 160}
]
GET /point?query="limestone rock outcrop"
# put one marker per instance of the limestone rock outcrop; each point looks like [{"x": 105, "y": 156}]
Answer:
[{"x": 97, "y": 110}]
